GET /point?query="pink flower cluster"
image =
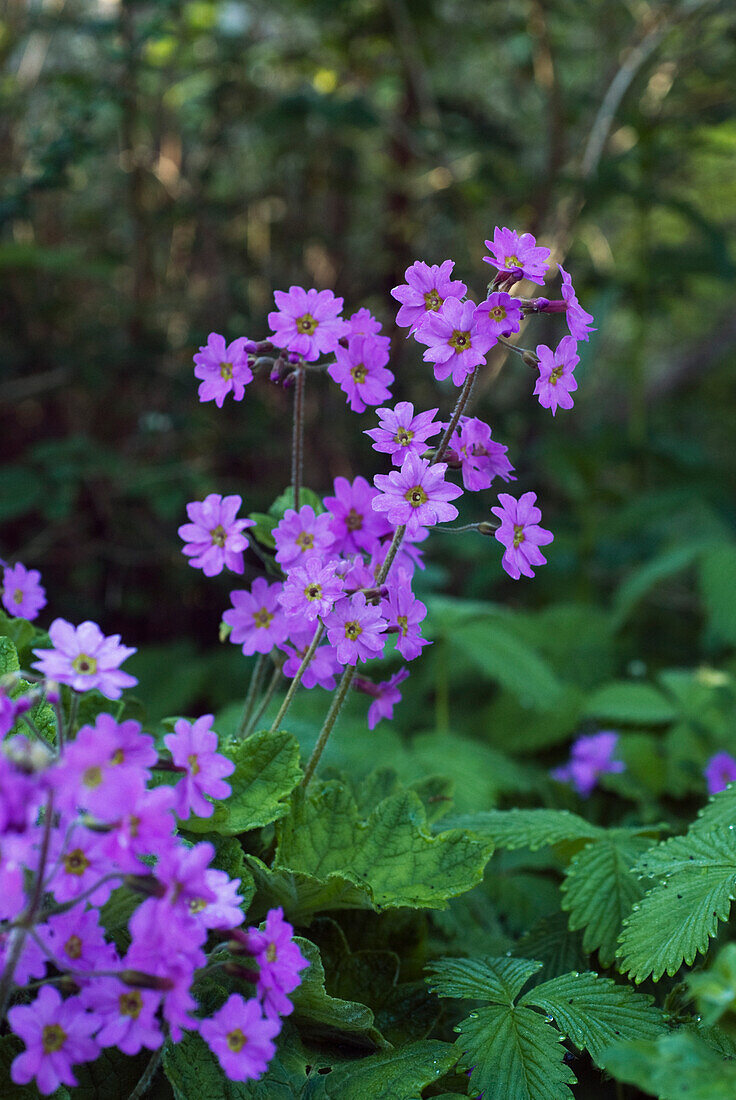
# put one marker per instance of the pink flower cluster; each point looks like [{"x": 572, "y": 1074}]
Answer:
[{"x": 85, "y": 822}]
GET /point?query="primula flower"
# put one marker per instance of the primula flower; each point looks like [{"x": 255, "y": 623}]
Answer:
[
  {"x": 363, "y": 323},
  {"x": 257, "y": 621},
  {"x": 591, "y": 756},
  {"x": 128, "y": 1015},
  {"x": 425, "y": 291},
  {"x": 308, "y": 322},
  {"x": 31, "y": 964},
  {"x": 20, "y": 793},
  {"x": 556, "y": 380},
  {"x": 520, "y": 534},
  {"x": 224, "y": 368},
  {"x": 241, "y": 1037},
  {"x": 193, "y": 746},
  {"x": 84, "y": 658},
  {"x": 354, "y": 524},
  {"x": 385, "y": 696},
  {"x": 324, "y": 665},
  {"x": 57, "y": 1035},
  {"x": 480, "y": 457},
  {"x": 458, "y": 339},
  {"x": 90, "y": 773},
  {"x": 279, "y": 959},
  {"x": 417, "y": 494},
  {"x": 22, "y": 594},
  {"x": 161, "y": 954},
  {"x": 578, "y": 319},
  {"x": 301, "y": 533},
  {"x": 214, "y": 537},
  {"x": 719, "y": 772},
  {"x": 225, "y": 911},
  {"x": 403, "y": 610},
  {"x": 146, "y": 829},
  {"x": 503, "y": 313},
  {"x": 401, "y": 432},
  {"x": 355, "y": 628},
  {"x": 517, "y": 255},
  {"x": 79, "y": 860},
  {"x": 76, "y": 940},
  {"x": 360, "y": 371},
  {"x": 310, "y": 590}
]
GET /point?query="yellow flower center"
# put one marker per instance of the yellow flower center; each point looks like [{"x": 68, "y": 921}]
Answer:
[
  {"x": 403, "y": 623},
  {"x": 353, "y": 630},
  {"x": 236, "y": 1040},
  {"x": 262, "y": 618},
  {"x": 76, "y": 862},
  {"x": 416, "y": 496},
  {"x": 512, "y": 261},
  {"x": 73, "y": 947},
  {"x": 305, "y": 540},
  {"x": 84, "y": 664},
  {"x": 306, "y": 324},
  {"x": 432, "y": 300},
  {"x": 498, "y": 313},
  {"x": 53, "y": 1038},
  {"x": 133, "y": 824},
  {"x": 196, "y": 905},
  {"x": 193, "y": 762},
  {"x": 226, "y": 370},
  {"x": 131, "y": 1004},
  {"x": 218, "y": 535},
  {"x": 313, "y": 592},
  {"x": 556, "y": 375},
  {"x": 271, "y": 953},
  {"x": 18, "y": 596},
  {"x": 359, "y": 373},
  {"x": 404, "y": 437},
  {"x": 518, "y": 535},
  {"x": 117, "y": 757},
  {"x": 354, "y": 520},
  {"x": 460, "y": 341},
  {"x": 92, "y": 777}
]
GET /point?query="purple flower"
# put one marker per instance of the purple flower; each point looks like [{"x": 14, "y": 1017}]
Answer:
[
  {"x": 88, "y": 775},
  {"x": 224, "y": 368},
  {"x": 308, "y": 322},
  {"x": 80, "y": 861},
  {"x": 719, "y": 772},
  {"x": 32, "y": 961},
  {"x": 213, "y": 537},
  {"x": 457, "y": 339},
  {"x": 193, "y": 746},
  {"x": 240, "y": 1037},
  {"x": 128, "y": 1015},
  {"x": 256, "y": 618},
  {"x": 517, "y": 255},
  {"x": 57, "y": 1034},
  {"x": 301, "y": 533},
  {"x": 324, "y": 665},
  {"x": 23, "y": 594},
  {"x": 385, "y": 696},
  {"x": 76, "y": 940},
  {"x": 363, "y": 323},
  {"x": 417, "y": 494},
  {"x": 591, "y": 756},
  {"x": 503, "y": 312},
  {"x": 404, "y": 611},
  {"x": 578, "y": 319},
  {"x": 354, "y": 524},
  {"x": 556, "y": 380},
  {"x": 279, "y": 959},
  {"x": 480, "y": 457},
  {"x": 84, "y": 658},
  {"x": 310, "y": 590},
  {"x": 401, "y": 432},
  {"x": 360, "y": 371},
  {"x": 146, "y": 829},
  {"x": 225, "y": 911},
  {"x": 520, "y": 534},
  {"x": 425, "y": 291},
  {"x": 355, "y": 628}
]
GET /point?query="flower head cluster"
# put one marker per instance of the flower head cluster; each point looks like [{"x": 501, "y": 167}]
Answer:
[
  {"x": 591, "y": 756},
  {"x": 481, "y": 458}
]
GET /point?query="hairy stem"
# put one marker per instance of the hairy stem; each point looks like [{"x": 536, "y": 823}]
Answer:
[
  {"x": 457, "y": 412},
  {"x": 297, "y": 438},
  {"x": 297, "y": 679},
  {"x": 337, "y": 705},
  {"x": 148, "y": 1075},
  {"x": 265, "y": 700},
  {"x": 256, "y": 678}
]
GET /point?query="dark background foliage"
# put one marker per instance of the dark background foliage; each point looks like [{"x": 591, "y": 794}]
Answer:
[{"x": 168, "y": 164}]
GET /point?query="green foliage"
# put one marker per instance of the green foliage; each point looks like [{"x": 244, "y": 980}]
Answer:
[
  {"x": 532, "y": 829},
  {"x": 680, "y": 1065},
  {"x": 629, "y": 703},
  {"x": 398, "y": 1075},
  {"x": 10, "y": 1046},
  {"x": 318, "y": 1012},
  {"x": 718, "y": 586},
  {"x": 714, "y": 990},
  {"x": 482, "y": 979},
  {"x": 266, "y": 772}
]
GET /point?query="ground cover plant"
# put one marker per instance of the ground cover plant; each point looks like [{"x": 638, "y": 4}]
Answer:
[{"x": 288, "y": 897}]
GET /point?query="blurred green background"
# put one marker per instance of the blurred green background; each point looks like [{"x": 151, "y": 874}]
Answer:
[{"x": 167, "y": 164}]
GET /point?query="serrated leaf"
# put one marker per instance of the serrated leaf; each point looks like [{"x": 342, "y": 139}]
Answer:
[
  {"x": 556, "y": 946},
  {"x": 483, "y": 979},
  {"x": 600, "y": 889},
  {"x": 714, "y": 989},
  {"x": 718, "y": 587},
  {"x": 677, "y": 917},
  {"x": 594, "y": 1012},
  {"x": 513, "y": 1053},
  {"x": 8, "y": 656},
  {"x": 630, "y": 703},
  {"x": 315, "y": 1008},
  {"x": 266, "y": 772},
  {"x": 396, "y": 1075},
  {"x": 532, "y": 829},
  {"x": 301, "y": 895},
  {"x": 677, "y": 1065},
  {"x": 392, "y": 852},
  {"x": 719, "y": 811}
]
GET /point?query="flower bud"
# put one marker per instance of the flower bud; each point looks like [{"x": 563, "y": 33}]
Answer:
[
  {"x": 485, "y": 528},
  {"x": 141, "y": 980}
]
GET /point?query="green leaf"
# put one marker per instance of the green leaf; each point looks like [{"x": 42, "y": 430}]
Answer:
[
  {"x": 600, "y": 889},
  {"x": 532, "y": 829},
  {"x": 677, "y": 1065},
  {"x": 718, "y": 812},
  {"x": 679, "y": 915},
  {"x": 8, "y": 656},
  {"x": 594, "y": 1012},
  {"x": 495, "y": 649},
  {"x": 660, "y": 568},
  {"x": 630, "y": 703},
  {"x": 553, "y": 944},
  {"x": 392, "y": 852},
  {"x": 513, "y": 1053},
  {"x": 195, "y": 1074},
  {"x": 286, "y": 500},
  {"x": 265, "y": 524},
  {"x": 10, "y": 1047},
  {"x": 266, "y": 772},
  {"x": 396, "y": 1075},
  {"x": 113, "y": 1075},
  {"x": 718, "y": 588},
  {"x": 301, "y": 895},
  {"x": 322, "y": 1013},
  {"x": 714, "y": 989},
  {"x": 482, "y": 979}
]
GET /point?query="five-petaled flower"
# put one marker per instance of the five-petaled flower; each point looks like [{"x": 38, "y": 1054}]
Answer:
[{"x": 520, "y": 533}]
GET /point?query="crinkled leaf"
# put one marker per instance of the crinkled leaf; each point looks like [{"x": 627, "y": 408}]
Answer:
[
  {"x": 600, "y": 889},
  {"x": 395, "y": 1075},
  {"x": 594, "y": 1012},
  {"x": 8, "y": 656},
  {"x": 302, "y": 895},
  {"x": 678, "y": 1065},
  {"x": 113, "y": 1075},
  {"x": 631, "y": 703},
  {"x": 321, "y": 1014},
  {"x": 526, "y": 828},
  {"x": 392, "y": 852},
  {"x": 266, "y": 772},
  {"x": 485, "y": 979},
  {"x": 513, "y": 1053}
]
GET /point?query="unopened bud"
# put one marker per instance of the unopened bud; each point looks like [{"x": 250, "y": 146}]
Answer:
[
  {"x": 145, "y": 884},
  {"x": 530, "y": 359},
  {"x": 263, "y": 362},
  {"x": 225, "y": 631},
  {"x": 140, "y": 980},
  {"x": 486, "y": 528},
  {"x": 242, "y": 972}
]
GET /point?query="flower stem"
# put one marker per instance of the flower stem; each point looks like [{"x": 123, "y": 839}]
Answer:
[
  {"x": 254, "y": 686},
  {"x": 337, "y": 705},
  {"x": 297, "y": 679},
  {"x": 297, "y": 438},
  {"x": 266, "y": 699},
  {"x": 456, "y": 414},
  {"x": 148, "y": 1075}
]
